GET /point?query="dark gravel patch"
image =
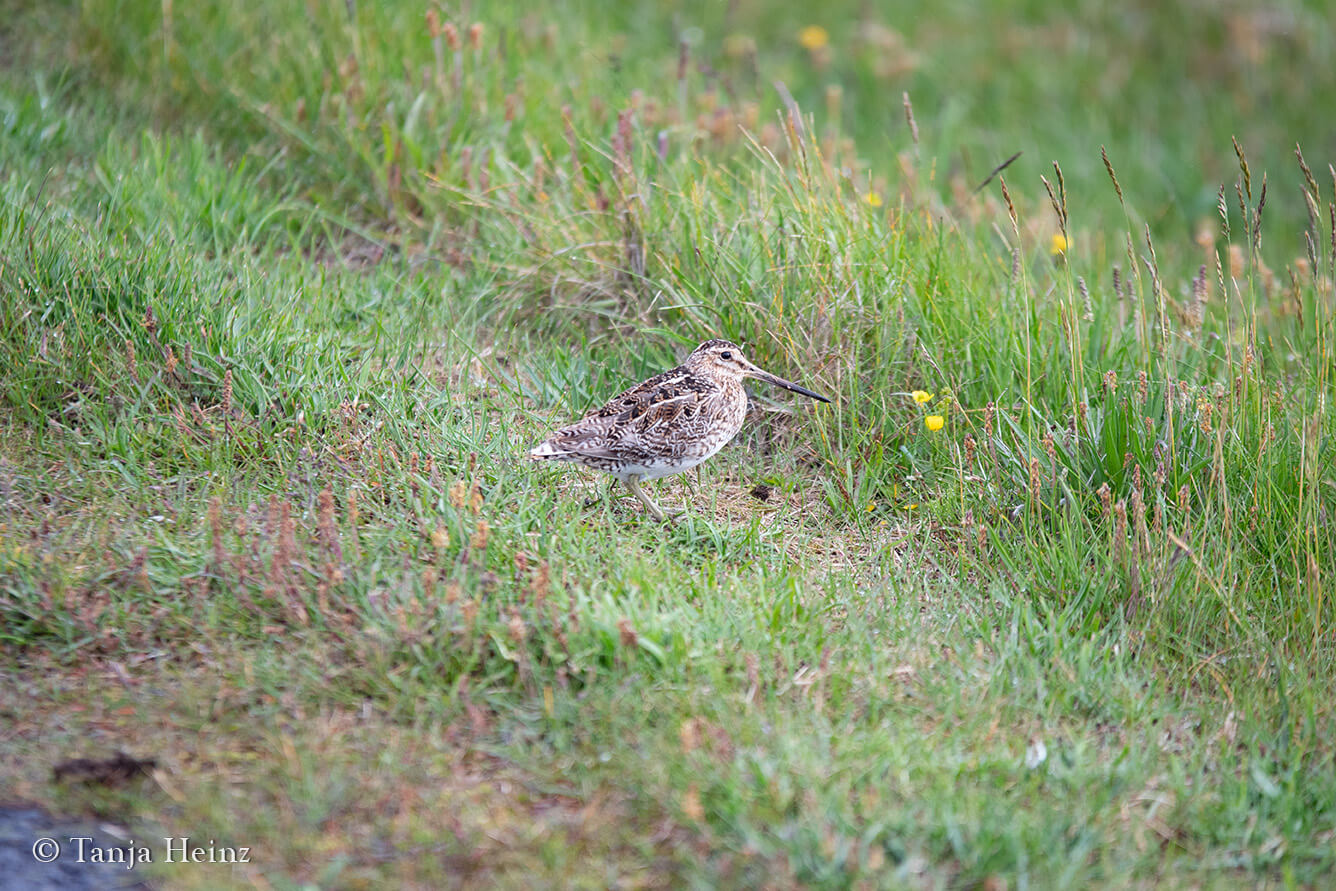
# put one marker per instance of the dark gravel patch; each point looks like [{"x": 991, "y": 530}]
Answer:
[{"x": 21, "y": 828}]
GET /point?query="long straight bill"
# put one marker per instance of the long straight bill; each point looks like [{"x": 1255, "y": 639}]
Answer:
[{"x": 790, "y": 385}]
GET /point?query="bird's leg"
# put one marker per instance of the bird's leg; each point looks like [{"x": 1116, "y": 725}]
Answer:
[
  {"x": 633, "y": 483},
  {"x": 686, "y": 479}
]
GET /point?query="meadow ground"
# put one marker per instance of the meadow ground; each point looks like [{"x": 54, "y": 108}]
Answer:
[{"x": 287, "y": 289}]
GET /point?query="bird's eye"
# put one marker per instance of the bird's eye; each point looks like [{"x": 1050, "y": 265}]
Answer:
[{"x": 726, "y": 354}]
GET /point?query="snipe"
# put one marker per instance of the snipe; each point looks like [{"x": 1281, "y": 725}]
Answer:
[{"x": 667, "y": 424}]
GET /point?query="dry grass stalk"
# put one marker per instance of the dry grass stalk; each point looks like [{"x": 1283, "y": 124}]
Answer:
[
  {"x": 1120, "y": 530},
  {"x": 1257, "y": 218},
  {"x": 909, "y": 118},
  {"x": 1243, "y": 166},
  {"x": 1011, "y": 207},
  {"x": 989, "y": 411},
  {"x": 480, "y": 536},
  {"x": 216, "y": 533},
  {"x": 1197, "y": 310},
  {"x": 329, "y": 530},
  {"x": 1140, "y": 530},
  {"x": 1104, "y": 153}
]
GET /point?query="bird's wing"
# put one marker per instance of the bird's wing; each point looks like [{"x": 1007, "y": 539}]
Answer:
[{"x": 632, "y": 417}]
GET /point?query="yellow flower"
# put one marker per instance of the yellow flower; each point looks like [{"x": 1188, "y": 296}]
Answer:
[
  {"x": 921, "y": 396},
  {"x": 873, "y": 199},
  {"x": 871, "y": 506},
  {"x": 1058, "y": 245},
  {"x": 813, "y": 37},
  {"x": 934, "y": 422}
]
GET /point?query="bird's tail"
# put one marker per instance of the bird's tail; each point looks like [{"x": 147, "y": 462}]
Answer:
[{"x": 546, "y": 450}]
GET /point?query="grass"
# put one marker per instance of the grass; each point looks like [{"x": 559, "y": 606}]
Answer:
[{"x": 285, "y": 293}]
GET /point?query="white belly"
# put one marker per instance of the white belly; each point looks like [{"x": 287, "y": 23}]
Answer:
[{"x": 656, "y": 469}]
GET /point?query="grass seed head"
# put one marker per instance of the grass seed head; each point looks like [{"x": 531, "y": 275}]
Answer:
[
  {"x": 1108, "y": 165},
  {"x": 628, "y": 634},
  {"x": 1119, "y": 530},
  {"x": 480, "y": 535},
  {"x": 909, "y": 119},
  {"x": 216, "y": 533}
]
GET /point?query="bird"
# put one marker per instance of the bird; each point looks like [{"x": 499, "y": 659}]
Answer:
[{"x": 667, "y": 424}]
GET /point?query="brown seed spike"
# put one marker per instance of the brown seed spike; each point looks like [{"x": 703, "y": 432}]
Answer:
[
  {"x": 909, "y": 117},
  {"x": 1011, "y": 206},
  {"x": 1308, "y": 174},
  {"x": 216, "y": 533},
  {"x": 1243, "y": 166},
  {"x": 628, "y": 633},
  {"x": 1062, "y": 194},
  {"x": 1104, "y": 153},
  {"x": 1257, "y": 217},
  {"x": 1053, "y": 200}
]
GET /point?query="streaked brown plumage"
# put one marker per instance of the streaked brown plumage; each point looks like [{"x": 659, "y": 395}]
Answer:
[{"x": 667, "y": 424}]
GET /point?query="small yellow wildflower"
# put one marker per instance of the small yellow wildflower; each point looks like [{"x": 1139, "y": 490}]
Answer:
[
  {"x": 913, "y": 506},
  {"x": 1058, "y": 245},
  {"x": 813, "y": 37},
  {"x": 873, "y": 199},
  {"x": 934, "y": 422},
  {"x": 921, "y": 396},
  {"x": 871, "y": 506}
]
